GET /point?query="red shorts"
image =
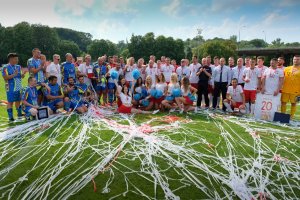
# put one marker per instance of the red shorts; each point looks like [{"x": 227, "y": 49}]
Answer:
[
  {"x": 188, "y": 101},
  {"x": 167, "y": 83},
  {"x": 124, "y": 109},
  {"x": 237, "y": 104},
  {"x": 250, "y": 95},
  {"x": 194, "y": 85},
  {"x": 158, "y": 101},
  {"x": 210, "y": 89}
]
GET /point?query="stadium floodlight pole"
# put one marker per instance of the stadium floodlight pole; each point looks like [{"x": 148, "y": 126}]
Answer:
[
  {"x": 265, "y": 36},
  {"x": 240, "y": 34}
]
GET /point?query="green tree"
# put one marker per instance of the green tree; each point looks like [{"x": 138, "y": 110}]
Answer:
[
  {"x": 100, "y": 47},
  {"x": 46, "y": 39},
  {"x": 277, "y": 43},
  {"x": 82, "y": 39},
  {"x": 66, "y": 46},
  {"x": 23, "y": 41},
  {"x": 216, "y": 47}
]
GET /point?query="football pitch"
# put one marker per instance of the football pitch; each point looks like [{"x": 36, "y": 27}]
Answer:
[{"x": 103, "y": 155}]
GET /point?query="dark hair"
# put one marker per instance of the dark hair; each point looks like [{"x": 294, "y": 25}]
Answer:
[
  {"x": 296, "y": 55},
  {"x": 12, "y": 55},
  {"x": 274, "y": 59},
  {"x": 216, "y": 57},
  {"x": 35, "y": 49},
  {"x": 52, "y": 78},
  {"x": 137, "y": 84},
  {"x": 123, "y": 89},
  {"x": 81, "y": 76},
  {"x": 261, "y": 57},
  {"x": 234, "y": 79},
  {"x": 30, "y": 78},
  {"x": 70, "y": 77},
  {"x": 195, "y": 57},
  {"x": 281, "y": 58}
]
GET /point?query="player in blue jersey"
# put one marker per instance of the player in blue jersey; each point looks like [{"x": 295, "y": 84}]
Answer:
[
  {"x": 30, "y": 98},
  {"x": 100, "y": 81},
  {"x": 54, "y": 97},
  {"x": 68, "y": 69},
  {"x": 12, "y": 75},
  {"x": 37, "y": 68},
  {"x": 74, "y": 97}
]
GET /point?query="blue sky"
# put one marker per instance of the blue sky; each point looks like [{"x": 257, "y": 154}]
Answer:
[{"x": 118, "y": 19}]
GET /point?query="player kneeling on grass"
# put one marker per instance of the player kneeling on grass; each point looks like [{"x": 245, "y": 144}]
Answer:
[
  {"x": 30, "y": 99},
  {"x": 170, "y": 98},
  {"x": 73, "y": 99},
  {"x": 235, "y": 98},
  {"x": 125, "y": 96},
  {"x": 55, "y": 96},
  {"x": 188, "y": 96}
]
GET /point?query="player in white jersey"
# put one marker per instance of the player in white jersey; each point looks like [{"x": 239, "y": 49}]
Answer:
[
  {"x": 272, "y": 79},
  {"x": 260, "y": 65},
  {"x": 235, "y": 98},
  {"x": 151, "y": 71},
  {"x": 167, "y": 70},
  {"x": 194, "y": 67},
  {"x": 182, "y": 70},
  {"x": 252, "y": 78}
]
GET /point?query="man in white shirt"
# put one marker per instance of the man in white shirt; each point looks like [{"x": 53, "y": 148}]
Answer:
[
  {"x": 86, "y": 70},
  {"x": 252, "y": 78},
  {"x": 222, "y": 77},
  {"x": 151, "y": 71},
  {"x": 167, "y": 70},
  {"x": 194, "y": 67},
  {"x": 237, "y": 72},
  {"x": 54, "y": 69},
  {"x": 235, "y": 98},
  {"x": 210, "y": 89},
  {"x": 183, "y": 70},
  {"x": 272, "y": 79},
  {"x": 129, "y": 67},
  {"x": 260, "y": 65}
]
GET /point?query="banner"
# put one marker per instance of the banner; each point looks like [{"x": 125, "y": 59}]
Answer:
[{"x": 266, "y": 105}]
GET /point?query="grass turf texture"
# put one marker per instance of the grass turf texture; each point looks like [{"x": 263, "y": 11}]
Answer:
[{"x": 221, "y": 143}]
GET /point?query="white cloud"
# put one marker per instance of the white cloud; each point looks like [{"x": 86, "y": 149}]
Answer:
[
  {"x": 32, "y": 11},
  {"x": 76, "y": 7},
  {"x": 274, "y": 17},
  {"x": 109, "y": 29},
  {"x": 172, "y": 9},
  {"x": 118, "y": 6}
]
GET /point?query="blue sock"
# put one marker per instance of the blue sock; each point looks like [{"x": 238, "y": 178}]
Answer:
[
  {"x": 10, "y": 113},
  {"x": 67, "y": 106},
  {"x": 110, "y": 96},
  {"x": 19, "y": 110}
]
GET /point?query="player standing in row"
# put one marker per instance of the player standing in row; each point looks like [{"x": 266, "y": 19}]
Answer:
[
  {"x": 12, "y": 74},
  {"x": 252, "y": 78},
  {"x": 291, "y": 86}
]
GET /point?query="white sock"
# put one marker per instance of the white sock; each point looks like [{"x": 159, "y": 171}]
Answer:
[
  {"x": 228, "y": 106},
  {"x": 252, "y": 108},
  {"x": 203, "y": 101},
  {"x": 247, "y": 108},
  {"x": 210, "y": 99}
]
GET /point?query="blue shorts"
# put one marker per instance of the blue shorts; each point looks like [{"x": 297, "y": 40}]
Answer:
[
  {"x": 13, "y": 96},
  {"x": 75, "y": 104},
  {"x": 99, "y": 88},
  {"x": 111, "y": 86},
  {"x": 52, "y": 104},
  {"x": 27, "y": 108}
]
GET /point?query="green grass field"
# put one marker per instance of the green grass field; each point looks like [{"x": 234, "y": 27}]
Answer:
[{"x": 102, "y": 155}]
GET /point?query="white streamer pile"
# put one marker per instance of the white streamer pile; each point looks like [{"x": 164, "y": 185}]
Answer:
[{"x": 162, "y": 157}]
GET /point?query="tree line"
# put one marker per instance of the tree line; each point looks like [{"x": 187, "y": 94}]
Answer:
[{"x": 23, "y": 37}]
